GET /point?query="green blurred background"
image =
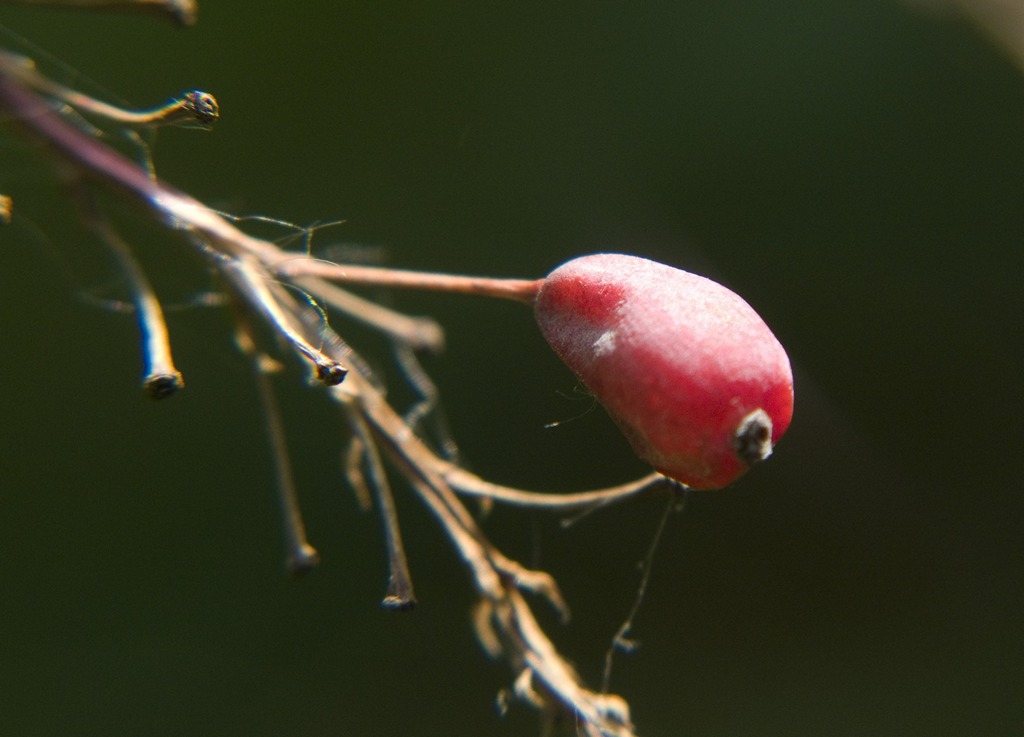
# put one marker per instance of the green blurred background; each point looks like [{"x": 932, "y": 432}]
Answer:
[{"x": 854, "y": 169}]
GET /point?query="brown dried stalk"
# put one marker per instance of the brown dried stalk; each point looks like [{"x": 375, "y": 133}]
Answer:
[
  {"x": 181, "y": 12},
  {"x": 263, "y": 284}
]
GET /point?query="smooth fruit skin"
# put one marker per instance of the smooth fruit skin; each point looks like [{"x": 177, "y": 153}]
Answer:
[{"x": 677, "y": 360}]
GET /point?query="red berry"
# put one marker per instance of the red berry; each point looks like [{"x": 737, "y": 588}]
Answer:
[{"x": 691, "y": 374}]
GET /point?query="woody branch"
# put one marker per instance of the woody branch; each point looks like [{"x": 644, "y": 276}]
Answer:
[{"x": 253, "y": 272}]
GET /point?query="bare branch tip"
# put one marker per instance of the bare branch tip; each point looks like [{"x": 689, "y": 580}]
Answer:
[
  {"x": 202, "y": 106},
  {"x": 331, "y": 374},
  {"x": 184, "y": 12},
  {"x": 302, "y": 561},
  {"x": 163, "y": 385},
  {"x": 397, "y": 603}
]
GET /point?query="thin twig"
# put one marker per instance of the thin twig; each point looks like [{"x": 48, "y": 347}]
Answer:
[
  {"x": 192, "y": 109},
  {"x": 302, "y": 557},
  {"x": 517, "y": 290},
  {"x": 427, "y": 410},
  {"x": 161, "y": 378},
  {"x": 419, "y": 332},
  {"x": 252, "y": 269},
  {"x": 499, "y": 580},
  {"x": 470, "y": 484},
  {"x": 353, "y": 469},
  {"x": 182, "y": 12},
  {"x": 251, "y": 280},
  {"x": 400, "y": 593}
]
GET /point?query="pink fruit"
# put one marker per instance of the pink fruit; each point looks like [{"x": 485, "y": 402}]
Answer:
[{"x": 691, "y": 374}]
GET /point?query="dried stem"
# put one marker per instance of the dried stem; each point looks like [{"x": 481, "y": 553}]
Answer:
[
  {"x": 353, "y": 469},
  {"x": 182, "y": 12},
  {"x": 161, "y": 379},
  {"x": 194, "y": 108},
  {"x": 419, "y": 332},
  {"x": 251, "y": 280},
  {"x": 400, "y": 593},
  {"x": 263, "y": 279},
  {"x": 517, "y": 290},
  {"x": 547, "y": 678},
  {"x": 302, "y": 557},
  {"x": 470, "y": 484}
]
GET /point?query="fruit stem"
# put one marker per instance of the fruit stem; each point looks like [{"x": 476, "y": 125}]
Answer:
[{"x": 517, "y": 290}]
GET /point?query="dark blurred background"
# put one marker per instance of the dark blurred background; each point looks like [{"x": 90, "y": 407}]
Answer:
[{"x": 853, "y": 169}]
